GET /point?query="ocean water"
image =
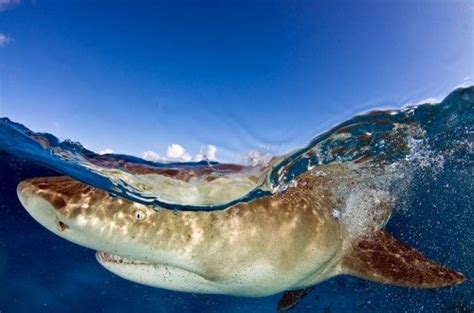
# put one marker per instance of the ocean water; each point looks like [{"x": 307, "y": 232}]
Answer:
[{"x": 421, "y": 156}]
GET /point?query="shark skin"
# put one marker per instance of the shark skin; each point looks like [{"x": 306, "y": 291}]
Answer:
[{"x": 287, "y": 242}]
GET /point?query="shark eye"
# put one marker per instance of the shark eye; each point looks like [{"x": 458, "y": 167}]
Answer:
[{"x": 139, "y": 215}]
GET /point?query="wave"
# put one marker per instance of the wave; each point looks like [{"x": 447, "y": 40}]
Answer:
[{"x": 381, "y": 148}]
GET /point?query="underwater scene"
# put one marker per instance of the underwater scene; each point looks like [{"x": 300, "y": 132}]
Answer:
[{"x": 318, "y": 156}]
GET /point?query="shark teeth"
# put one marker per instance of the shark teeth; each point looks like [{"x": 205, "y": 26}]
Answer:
[{"x": 112, "y": 258}]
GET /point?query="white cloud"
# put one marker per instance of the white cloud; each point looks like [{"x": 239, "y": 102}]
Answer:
[
  {"x": 258, "y": 158},
  {"x": 209, "y": 155},
  {"x": 5, "y": 39},
  {"x": 199, "y": 157},
  {"x": 176, "y": 152},
  {"x": 106, "y": 151},
  {"x": 6, "y": 4},
  {"x": 211, "y": 152},
  {"x": 152, "y": 156}
]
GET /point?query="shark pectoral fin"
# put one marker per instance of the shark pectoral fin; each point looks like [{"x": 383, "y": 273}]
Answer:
[
  {"x": 291, "y": 298},
  {"x": 382, "y": 258}
]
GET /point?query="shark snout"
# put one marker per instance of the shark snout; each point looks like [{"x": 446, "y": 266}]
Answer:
[
  {"x": 83, "y": 215},
  {"x": 33, "y": 197}
]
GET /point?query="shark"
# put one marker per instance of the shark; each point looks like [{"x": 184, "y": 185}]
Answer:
[{"x": 286, "y": 242}]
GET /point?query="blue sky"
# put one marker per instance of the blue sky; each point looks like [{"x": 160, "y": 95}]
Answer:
[{"x": 240, "y": 75}]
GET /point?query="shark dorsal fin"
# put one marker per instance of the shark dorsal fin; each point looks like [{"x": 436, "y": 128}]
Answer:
[{"x": 381, "y": 258}]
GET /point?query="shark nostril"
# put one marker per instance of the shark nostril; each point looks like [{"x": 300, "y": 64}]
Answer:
[{"x": 62, "y": 226}]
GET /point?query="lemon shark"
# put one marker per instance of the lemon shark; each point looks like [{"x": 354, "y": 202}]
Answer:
[{"x": 286, "y": 242}]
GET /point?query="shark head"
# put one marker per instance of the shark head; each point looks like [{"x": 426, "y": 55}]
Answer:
[
  {"x": 132, "y": 240},
  {"x": 119, "y": 229}
]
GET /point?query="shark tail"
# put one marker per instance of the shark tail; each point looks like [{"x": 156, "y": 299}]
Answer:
[{"x": 381, "y": 258}]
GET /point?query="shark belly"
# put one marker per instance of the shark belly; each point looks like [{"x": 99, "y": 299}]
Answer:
[{"x": 253, "y": 281}]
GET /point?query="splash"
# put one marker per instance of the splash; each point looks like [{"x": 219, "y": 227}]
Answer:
[{"x": 380, "y": 148}]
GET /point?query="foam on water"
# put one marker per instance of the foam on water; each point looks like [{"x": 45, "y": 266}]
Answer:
[{"x": 365, "y": 210}]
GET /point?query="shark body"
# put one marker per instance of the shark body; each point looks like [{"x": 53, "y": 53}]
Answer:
[{"x": 289, "y": 241}]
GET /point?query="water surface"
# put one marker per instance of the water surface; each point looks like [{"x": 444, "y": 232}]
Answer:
[{"x": 421, "y": 156}]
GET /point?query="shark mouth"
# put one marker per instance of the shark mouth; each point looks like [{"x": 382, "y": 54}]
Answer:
[{"x": 112, "y": 258}]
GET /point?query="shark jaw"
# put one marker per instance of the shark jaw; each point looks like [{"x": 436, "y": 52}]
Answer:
[
  {"x": 160, "y": 275},
  {"x": 104, "y": 258}
]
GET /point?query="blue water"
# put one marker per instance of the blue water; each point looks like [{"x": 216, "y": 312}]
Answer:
[{"x": 431, "y": 144}]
